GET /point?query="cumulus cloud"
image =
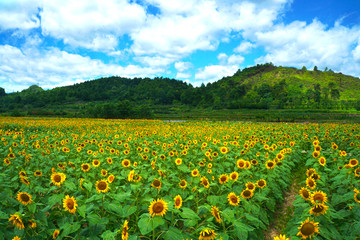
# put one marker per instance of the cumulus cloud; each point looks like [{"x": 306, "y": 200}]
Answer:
[
  {"x": 20, "y": 68},
  {"x": 244, "y": 47},
  {"x": 213, "y": 73},
  {"x": 19, "y": 14},
  {"x": 183, "y": 66},
  {"x": 92, "y": 24},
  {"x": 299, "y": 44}
]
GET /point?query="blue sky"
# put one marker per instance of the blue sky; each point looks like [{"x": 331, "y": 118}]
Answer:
[{"x": 62, "y": 42}]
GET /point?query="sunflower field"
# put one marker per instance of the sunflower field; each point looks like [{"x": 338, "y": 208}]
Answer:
[{"x": 148, "y": 179}]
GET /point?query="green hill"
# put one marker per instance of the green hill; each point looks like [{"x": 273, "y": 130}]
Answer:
[{"x": 262, "y": 86}]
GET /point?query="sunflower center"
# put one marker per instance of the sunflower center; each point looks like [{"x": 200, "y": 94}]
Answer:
[
  {"x": 158, "y": 207},
  {"x": 250, "y": 186},
  {"x": 24, "y": 197},
  {"x": 308, "y": 229},
  {"x": 318, "y": 197},
  {"x": 223, "y": 179},
  {"x": 156, "y": 183},
  {"x": 233, "y": 199},
  {"x": 182, "y": 183},
  {"x": 57, "y": 178},
  {"x": 305, "y": 194},
  {"x": 241, "y": 164},
  {"x": 70, "y": 204},
  {"x": 318, "y": 209},
  {"x": 247, "y": 193},
  {"x": 270, "y": 164},
  {"x": 177, "y": 202},
  {"x": 261, "y": 183},
  {"x": 102, "y": 185},
  {"x": 85, "y": 167},
  {"x": 353, "y": 162}
]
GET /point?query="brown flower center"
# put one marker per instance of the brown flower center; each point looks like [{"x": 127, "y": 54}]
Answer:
[
  {"x": 24, "y": 197},
  {"x": 247, "y": 193},
  {"x": 233, "y": 199},
  {"x": 261, "y": 183},
  {"x": 318, "y": 197},
  {"x": 156, "y": 183},
  {"x": 57, "y": 178},
  {"x": 270, "y": 164},
  {"x": 158, "y": 207},
  {"x": 305, "y": 193},
  {"x": 307, "y": 229},
  {"x": 102, "y": 185},
  {"x": 318, "y": 209},
  {"x": 70, "y": 204}
]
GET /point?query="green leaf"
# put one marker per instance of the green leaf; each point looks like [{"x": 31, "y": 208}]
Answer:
[
  {"x": 113, "y": 208},
  {"x": 214, "y": 200},
  {"x": 127, "y": 211},
  {"x": 108, "y": 235},
  {"x": 228, "y": 214},
  {"x": 95, "y": 219},
  {"x": 70, "y": 228},
  {"x": 253, "y": 220},
  {"x": 188, "y": 213},
  {"x": 32, "y": 208},
  {"x": 87, "y": 186},
  {"x": 242, "y": 230},
  {"x": 173, "y": 234},
  {"x": 81, "y": 210},
  {"x": 147, "y": 224},
  {"x": 190, "y": 222},
  {"x": 122, "y": 196},
  {"x": 3, "y": 215},
  {"x": 70, "y": 185},
  {"x": 54, "y": 199}
]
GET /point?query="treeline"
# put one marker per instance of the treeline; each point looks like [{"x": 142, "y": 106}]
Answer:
[{"x": 117, "y": 97}]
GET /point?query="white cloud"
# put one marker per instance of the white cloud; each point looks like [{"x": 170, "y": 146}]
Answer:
[
  {"x": 19, "y": 14},
  {"x": 235, "y": 59},
  {"x": 22, "y": 68},
  {"x": 181, "y": 75},
  {"x": 213, "y": 73},
  {"x": 356, "y": 52},
  {"x": 94, "y": 24},
  {"x": 298, "y": 44},
  {"x": 244, "y": 47},
  {"x": 183, "y": 66}
]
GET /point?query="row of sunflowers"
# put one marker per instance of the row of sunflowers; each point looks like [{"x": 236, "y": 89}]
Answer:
[{"x": 143, "y": 179}]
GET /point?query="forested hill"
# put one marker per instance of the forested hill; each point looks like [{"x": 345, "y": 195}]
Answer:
[{"x": 263, "y": 86}]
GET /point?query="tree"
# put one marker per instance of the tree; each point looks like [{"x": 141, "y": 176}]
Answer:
[
  {"x": 2, "y": 92},
  {"x": 315, "y": 68}
]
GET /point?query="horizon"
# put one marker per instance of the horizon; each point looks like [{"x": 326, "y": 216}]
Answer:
[{"x": 59, "y": 43}]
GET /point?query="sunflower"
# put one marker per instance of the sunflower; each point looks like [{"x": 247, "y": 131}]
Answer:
[
  {"x": 322, "y": 161},
  {"x": 247, "y": 193},
  {"x": 156, "y": 184},
  {"x": 305, "y": 193},
  {"x": 224, "y": 150},
  {"x": 104, "y": 172},
  {"x": 7, "y": 161},
  {"x": 310, "y": 171},
  {"x": 207, "y": 234},
  {"x": 158, "y": 207},
  {"x": 56, "y": 233},
  {"x": 96, "y": 163},
  {"x": 183, "y": 184},
  {"x": 195, "y": 173},
  {"x": 215, "y": 212},
  {"x": 357, "y": 172},
  {"x": 308, "y": 229},
  {"x": 32, "y": 224},
  {"x": 24, "y": 198},
  {"x": 102, "y": 186},
  {"x": 254, "y": 162},
  {"x": 223, "y": 178},
  {"x": 111, "y": 178},
  {"x": 270, "y": 164},
  {"x": 241, "y": 163},
  {"x": 25, "y": 180},
  {"x": 281, "y": 237},
  {"x": 233, "y": 199},
  {"x": 16, "y": 238},
  {"x": 234, "y": 176},
  {"x": 22, "y": 174},
  {"x": 261, "y": 183},
  {"x": 204, "y": 181},
  {"x": 137, "y": 178},
  {"x": 124, "y": 232},
  {"x": 315, "y": 176},
  {"x": 85, "y": 167},
  {"x": 109, "y": 160},
  {"x": 17, "y": 221},
  {"x": 178, "y": 161},
  {"x": 317, "y": 148},
  {"x": 131, "y": 176},
  {"x": 178, "y": 201},
  {"x": 318, "y": 196},
  {"x": 69, "y": 203},
  {"x": 318, "y": 209},
  {"x": 250, "y": 186},
  {"x": 356, "y": 197},
  {"x": 353, "y": 163},
  {"x": 58, "y": 178},
  {"x": 311, "y": 183}
]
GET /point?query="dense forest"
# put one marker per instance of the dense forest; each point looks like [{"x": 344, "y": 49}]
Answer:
[{"x": 263, "y": 86}]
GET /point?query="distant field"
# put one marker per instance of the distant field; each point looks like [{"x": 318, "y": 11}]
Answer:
[{"x": 149, "y": 179}]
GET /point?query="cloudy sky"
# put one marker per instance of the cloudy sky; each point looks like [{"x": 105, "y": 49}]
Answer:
[{"x": 61, "y": 42}]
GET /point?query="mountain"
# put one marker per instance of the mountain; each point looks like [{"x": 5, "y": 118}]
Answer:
[{"x": 263, "y": 86}]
